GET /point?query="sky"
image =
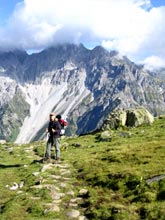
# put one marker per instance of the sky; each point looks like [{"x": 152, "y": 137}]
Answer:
[{"x": 135, "y": 28}]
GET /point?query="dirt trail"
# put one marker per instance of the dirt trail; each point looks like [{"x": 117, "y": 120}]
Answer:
[{"x": 59, "y": 183}]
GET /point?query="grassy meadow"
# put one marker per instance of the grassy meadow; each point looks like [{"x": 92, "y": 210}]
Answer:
[{"x": 124, "y": 175}]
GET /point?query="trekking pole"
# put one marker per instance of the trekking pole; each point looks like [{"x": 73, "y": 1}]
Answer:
[
  {"x": 47, "y": 137},
  {"x": 44, "y": 153}
]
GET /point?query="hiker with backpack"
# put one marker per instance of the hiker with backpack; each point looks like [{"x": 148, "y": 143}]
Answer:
[
  {"x": 54, "y": 129},
  {"x": 63, "y": 124}
]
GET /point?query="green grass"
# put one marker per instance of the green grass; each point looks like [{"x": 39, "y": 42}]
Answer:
[{"x": 114, "y": 172}]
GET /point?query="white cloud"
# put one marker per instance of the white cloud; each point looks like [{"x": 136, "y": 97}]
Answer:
[
  {"x": 130, "y": 26},
  {"x": 154, "y": 62}
]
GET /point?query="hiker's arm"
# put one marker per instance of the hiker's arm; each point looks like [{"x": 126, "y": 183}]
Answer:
[
  {"x": 53, "y": 130},
  {"x": 57, "y": 128}
]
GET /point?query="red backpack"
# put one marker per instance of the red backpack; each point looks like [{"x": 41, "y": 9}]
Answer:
[{"x": 63, "y": 124}]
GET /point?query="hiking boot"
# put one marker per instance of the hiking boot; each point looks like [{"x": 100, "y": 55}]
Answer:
[
  {"x": 57, "y": 160},
  {"x": 46, "y": 160}
]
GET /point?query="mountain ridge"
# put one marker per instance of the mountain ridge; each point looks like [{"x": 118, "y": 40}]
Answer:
[{"x": 81, "y": 84}]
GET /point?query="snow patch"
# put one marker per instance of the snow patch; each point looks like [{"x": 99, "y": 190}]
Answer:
[
  {"x": 42, "y": 99},
  {"x": 45, "y": 97},
  {"x": 74, "y": 99}
]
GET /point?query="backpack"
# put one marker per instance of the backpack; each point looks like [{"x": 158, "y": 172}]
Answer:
[{"x": 63, "y": 124}]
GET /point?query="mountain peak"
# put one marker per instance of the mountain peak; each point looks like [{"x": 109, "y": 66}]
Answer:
[
  {"x": 81, "y": 84},
  {"x": 100, "y": 50}
]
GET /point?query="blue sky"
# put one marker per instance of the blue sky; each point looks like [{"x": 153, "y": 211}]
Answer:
[
  {"x": 6, "y": 8},
  {"x": 158, "y": 3},
  {"x": 135, "y": 28}
]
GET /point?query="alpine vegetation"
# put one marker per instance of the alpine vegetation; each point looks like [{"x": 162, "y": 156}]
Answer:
[{"x": 110, "y": 174}]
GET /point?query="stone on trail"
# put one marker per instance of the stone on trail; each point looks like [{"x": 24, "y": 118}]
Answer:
[{"x": 73, "y": 213}]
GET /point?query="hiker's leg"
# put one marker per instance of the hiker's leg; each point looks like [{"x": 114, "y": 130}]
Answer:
[
  {"x": 48, "y": 148},
  {"x": 57, "y": 147}
]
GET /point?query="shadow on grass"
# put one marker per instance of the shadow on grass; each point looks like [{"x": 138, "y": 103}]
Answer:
[
  {"x": 37, "y": 161},
  {"x": 10, "y": 166}
]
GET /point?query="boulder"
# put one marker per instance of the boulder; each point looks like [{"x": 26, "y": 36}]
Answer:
[
  {"x": 138, "y": 117},
  {"x": 105, "y": 136},
  {"x": 115, "y": 120},
  {"x": 129, "y": 118}
]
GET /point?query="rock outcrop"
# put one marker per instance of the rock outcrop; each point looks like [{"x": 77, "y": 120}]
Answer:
[
  {"x": 138, "y": 117},
  {"x": 129, "y": 118}
]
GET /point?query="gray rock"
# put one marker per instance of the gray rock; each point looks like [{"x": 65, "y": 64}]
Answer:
[
  {"x": 83, "y": 192},
  {"x": 105, "y": 136},
  {"x": 128, "y": 117},
  {"x": 138, "y": 117},
  {"x": 73, "y": 213}
]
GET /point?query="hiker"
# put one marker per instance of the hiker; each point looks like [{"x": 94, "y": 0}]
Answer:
[
  {"x": 53, "y": 129},
  {"x": 63, "y": 124}
]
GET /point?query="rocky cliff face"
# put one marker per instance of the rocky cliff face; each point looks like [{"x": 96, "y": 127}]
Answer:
[{"x": 83, "y": 85}]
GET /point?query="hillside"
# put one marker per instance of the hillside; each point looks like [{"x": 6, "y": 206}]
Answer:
[{"x": 117, "y": 178}]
